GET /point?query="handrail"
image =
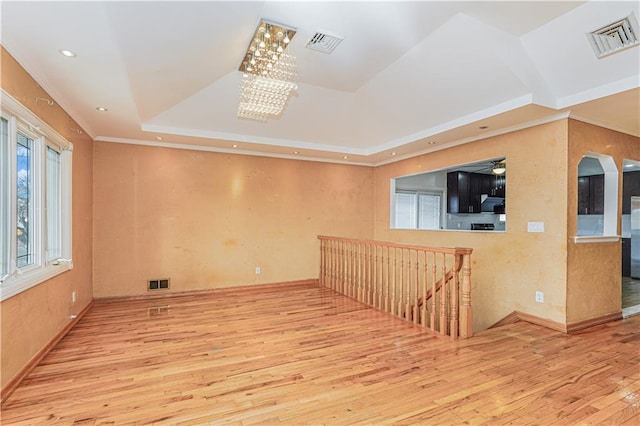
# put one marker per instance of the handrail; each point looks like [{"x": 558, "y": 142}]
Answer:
[{"x": 401, "y": 279}]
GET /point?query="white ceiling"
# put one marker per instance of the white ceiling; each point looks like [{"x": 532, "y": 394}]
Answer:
[{"x": 407, "y": 73}]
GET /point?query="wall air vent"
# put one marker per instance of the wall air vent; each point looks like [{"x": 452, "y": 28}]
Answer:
[
  {"x": 324, "y": 42},
  {"x": 615, "y": 37},
  {"x": 159, "y": 284}
]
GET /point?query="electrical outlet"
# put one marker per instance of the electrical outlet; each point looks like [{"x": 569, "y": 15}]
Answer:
[
  {"x": 74, "y": 297},
  {"x": 258, "y": 270},
  {"x": 539, "y": 297}
]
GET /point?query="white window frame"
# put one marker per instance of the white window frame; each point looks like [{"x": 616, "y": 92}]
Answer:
[
  {"x": 418, "y": 223},
  {"x": 21, "y": 119},
  {"x": 610, "y": 216}
]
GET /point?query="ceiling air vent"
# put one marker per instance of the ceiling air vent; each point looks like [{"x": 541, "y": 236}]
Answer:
[
  {"x": 324, "y": 42},
  {"x": 615, "y": 37}
]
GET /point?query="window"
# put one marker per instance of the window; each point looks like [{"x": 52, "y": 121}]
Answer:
[
  {"x": 35, "y": 200},
  {"x": 416, "y": 210}
]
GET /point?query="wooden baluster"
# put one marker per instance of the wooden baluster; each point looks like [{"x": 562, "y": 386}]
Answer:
[
  {"x": 320, "y": 275},
  {"x": 425, "y": 275},
  {"x": 330, "y": 264},
  {"x": 416, "y": 311},
  {"x": 356, "y": 270},
  {"x": 352, "y": 292},
  {"x": 341, "y": 267},
  {"x": 407, "y": 296},
  {"x": 466, "y": 312},
  {"x": 352, "y": 286},
  {"x": 386, "y": 283},
  {"x": 455, "y": 288},
  {"x": 401, "y": 283},
  {"x": 443, "y": 297},
  {"x": 365, "y": 279},
  {"x": 434, "y": 283},
  {"x": 369, "y": 275},
  {"x": 379, "y": 283},
  {"x": 363, "y": 270},
  {"x": 345, "y": 259},
  {"x": 393, "y": 282},
  {"x": 372, "y": 264}
]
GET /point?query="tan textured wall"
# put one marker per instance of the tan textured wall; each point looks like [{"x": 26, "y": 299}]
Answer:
[
  {"x": 594, "y": 271},
  {"x": 507, "y": 268},
  {"x": 206, "y": 220},
  {"x": 31, "y": 318}
]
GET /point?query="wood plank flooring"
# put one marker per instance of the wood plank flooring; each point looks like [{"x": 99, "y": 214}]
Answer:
[
  {"x": 630, "y": 292},
  {"x": 300, "y": 354}
]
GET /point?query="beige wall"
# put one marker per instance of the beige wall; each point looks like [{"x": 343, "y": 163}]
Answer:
[
  {"x": 206, "y": 219},
  {"x": 32, "y": 318},
  {"x": 507, "y": 268},
  {"x": 594, "y": 280}
]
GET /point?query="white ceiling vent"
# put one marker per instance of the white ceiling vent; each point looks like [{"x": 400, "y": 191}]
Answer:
[
  {"x": 615, "y": 37},
  {"x": 324, "y": 42}
]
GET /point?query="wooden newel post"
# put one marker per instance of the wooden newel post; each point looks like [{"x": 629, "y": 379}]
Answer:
[{"x": 466, "y": 311}]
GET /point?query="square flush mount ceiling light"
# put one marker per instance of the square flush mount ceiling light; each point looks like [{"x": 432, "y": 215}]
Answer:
[{"x": 268, "y": 72}]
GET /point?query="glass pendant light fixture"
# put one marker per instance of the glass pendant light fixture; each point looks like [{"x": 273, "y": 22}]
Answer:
[{"x": 269, "y": 72}]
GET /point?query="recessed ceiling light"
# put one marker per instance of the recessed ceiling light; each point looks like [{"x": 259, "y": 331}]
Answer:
[
  {"x": 346, "y": 157},
  {"x": 235, "y": 145},
  {"x": 483, "y": 127},
  {"x": 103, "y": 109},
  {"x": 67, "y": 53},
  {"x": 159, "y": 138},
  {"x": 393, "y": 153},
  {"x": 432, "y": 142},
  {"x": 296, "y": 152}
]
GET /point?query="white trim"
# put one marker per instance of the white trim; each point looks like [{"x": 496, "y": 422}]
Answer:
[
  {"x": 42, "y": 82},
  {"x": 258, "y": 140},
  {"x": 19, "y": 283},
  {"x": 338, "y": 152},
  {"x": 22, "y": 120},
  {"x": 227, "y": 151},
  {"x": 599, "y": 92},
  {"x": 578, "y": 239},
  {"x": 601, "y": 124},
  {"x": 510, "y": 105},
  {"x": 499, "y": 132}
]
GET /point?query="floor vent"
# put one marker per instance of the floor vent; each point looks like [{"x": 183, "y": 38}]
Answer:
[
  {"x": 324, "y": 42},
  {"x": 159, "y": 284},
  {"x": 158, "y": 311},
  {"x": 615, "y": 37}
]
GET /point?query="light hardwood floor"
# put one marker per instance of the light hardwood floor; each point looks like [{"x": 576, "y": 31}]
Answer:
[{"x": 300, "y": 354}]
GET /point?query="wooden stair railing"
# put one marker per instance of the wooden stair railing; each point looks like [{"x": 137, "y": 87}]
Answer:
[{"x": 429, "y": 286}]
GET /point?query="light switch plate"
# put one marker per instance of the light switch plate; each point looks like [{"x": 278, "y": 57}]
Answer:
[{"x": 535, "y": 227}]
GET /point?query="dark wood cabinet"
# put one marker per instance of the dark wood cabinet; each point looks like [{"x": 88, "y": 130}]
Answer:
[
  {"x": 492, "y": 185},
  {"x": 630, "y": 188},
  {"x": 458, "y": 192},
  {"x": 475, "y": 185},
  {"x": 465, "y": 190},
  {"x": 583, "y": 195},
  {"x": 626, "y": 257},
  {"x": 591, "y": 194},
  {"x": 596, "y": 194}
]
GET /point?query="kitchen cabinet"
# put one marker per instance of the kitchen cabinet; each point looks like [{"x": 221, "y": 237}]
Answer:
[
  {"x": 458, "y": 192},
  {"x": 626, "y": 257},
  {"x": 596, "y": 194},
  {"x": 465, "y": 190},
  {"x": 492, "y": 185},
  {"x": 591, "y": 194},
  {"x": 583, "y": 195},
  {"x": 630, "y": 188}
]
